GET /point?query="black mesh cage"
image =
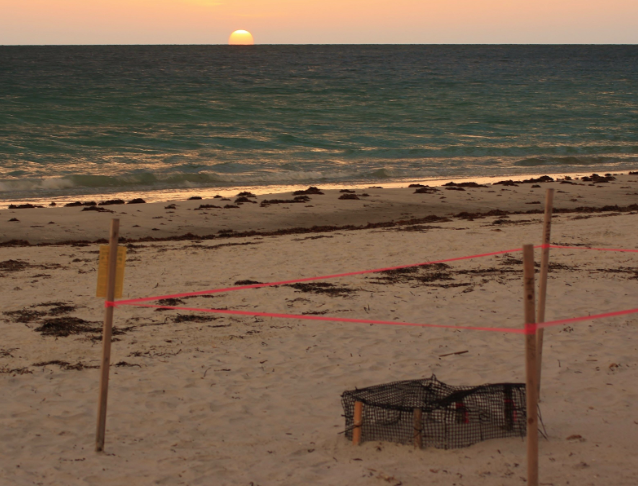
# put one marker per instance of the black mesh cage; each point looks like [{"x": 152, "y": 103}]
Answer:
[{"x": 428, "y": 412}]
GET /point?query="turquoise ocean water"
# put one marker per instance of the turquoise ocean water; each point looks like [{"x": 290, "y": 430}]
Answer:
[{"x": 100, "y": 120}]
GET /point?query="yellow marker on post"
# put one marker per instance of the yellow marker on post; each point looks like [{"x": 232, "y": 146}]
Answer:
[{"x": 103, "y": 271}]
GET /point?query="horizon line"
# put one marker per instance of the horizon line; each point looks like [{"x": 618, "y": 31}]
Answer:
[{"x": 332, "y": 44}]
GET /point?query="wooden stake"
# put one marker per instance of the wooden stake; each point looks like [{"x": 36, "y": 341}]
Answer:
[
  {"x": 358, "y": 422},
  {"x": 530, "y": 366},
  {"x": 106, "y": 337},
  {"x": 542, "y": 293},
  {"x": 418, "y": 428}
]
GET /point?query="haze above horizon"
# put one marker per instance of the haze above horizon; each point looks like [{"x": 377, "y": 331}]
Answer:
[{"x": 77, "y": 22}]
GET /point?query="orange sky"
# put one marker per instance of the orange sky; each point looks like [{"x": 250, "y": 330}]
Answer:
[{"x": 318, "y": 21}]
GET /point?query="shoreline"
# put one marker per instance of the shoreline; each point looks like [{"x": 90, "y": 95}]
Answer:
[
  {"x": 331, "y": 210},
  {"x": 178, "y": 194}
]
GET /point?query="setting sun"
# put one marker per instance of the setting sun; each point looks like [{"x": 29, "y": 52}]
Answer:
[{"x": 241, "y": 38}]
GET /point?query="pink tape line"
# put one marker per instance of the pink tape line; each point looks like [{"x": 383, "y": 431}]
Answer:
[
  {"x": 334, "y": 319},
  {"x": 530, "y": 329},
  {"x": 570, "y": 320},
  {"x": 350, "y": 274},
  {"x": 527, "y": 330},
  {"x": 309, "y": 279}
]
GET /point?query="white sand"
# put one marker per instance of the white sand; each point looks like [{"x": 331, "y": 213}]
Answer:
[{"x": 257, "y": 400}]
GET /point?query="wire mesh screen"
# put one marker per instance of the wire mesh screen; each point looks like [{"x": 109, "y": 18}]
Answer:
[{"x": 428, "y": 412}]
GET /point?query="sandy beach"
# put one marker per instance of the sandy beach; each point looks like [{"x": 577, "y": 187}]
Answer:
[{"x": 204, "y": 398}]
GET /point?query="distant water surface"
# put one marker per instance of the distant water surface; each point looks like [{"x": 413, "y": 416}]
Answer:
[{"x": 97, "y": 120}]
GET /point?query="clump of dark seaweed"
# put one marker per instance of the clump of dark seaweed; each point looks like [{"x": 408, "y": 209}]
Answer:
[
  {"x": 170, "y": 303},
  {"x": 67, "y": 326},
  {"x": 80, "y": 203},
  {"x": 193, "y": 318},
  {"x": 207, "y": 206},
  {"x": 426, "y": 190},
  {"x": 13, "y": 265},
  {"x": 322, "y": 288},
  {"x": 244, "y": 199},
  {"x": 24, "y": 206},
  {"x": 26, "y": 315},
  {"x": 598, "y": 179},
  {"x": 312, "y": 190},
  {"x": 463, "y": 184},
  {"x": 65, "y": 365},
  {"x": 97, "y": 208},
  {"x": 297, "y": 199},
  {"x": 111, "y": 202}
]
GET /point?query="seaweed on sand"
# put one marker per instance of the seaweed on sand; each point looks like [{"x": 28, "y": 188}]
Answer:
[
  {"x": 322, "y": 288},
  {"x": 64, "y": 365}
]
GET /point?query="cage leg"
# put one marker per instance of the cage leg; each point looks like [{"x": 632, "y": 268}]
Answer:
[
  {"x": 358, "y": 422},
  {"x": 418, "y": 428},
  {"x": 508, "y": 406}
]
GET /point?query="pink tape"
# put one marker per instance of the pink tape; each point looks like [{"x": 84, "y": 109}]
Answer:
[
  {"x": 338, "y": 319},
  {"x": 309, "y": 279},
  {"x": 350, "y": 274},
  {"x": 570, "y": 320},
  {"x": 529, "y": 329}
]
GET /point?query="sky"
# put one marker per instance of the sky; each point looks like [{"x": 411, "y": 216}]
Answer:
[{"x": 29, "y": 22}]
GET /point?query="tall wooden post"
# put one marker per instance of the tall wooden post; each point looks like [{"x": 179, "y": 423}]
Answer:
[
  {"x": 531, "y": 390},
  {"x": 106, "y": 337},
  {"x": 542, "y": 292}
]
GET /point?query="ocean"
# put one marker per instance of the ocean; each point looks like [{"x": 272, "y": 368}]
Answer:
[{"x": 166, "y": 121}]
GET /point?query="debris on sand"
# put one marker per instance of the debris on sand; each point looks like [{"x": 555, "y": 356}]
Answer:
[
  {"x": 193, "y": 318},
  {"x": 244, "y": 199},
  {"x": 80, "y": 203},
  {"x": 24, "y": 206},
  {"x": 97, "y": 208},
  {"x": 67, "y": 326},
  {"x": 111, "y": 202},
  {"x": 322, "y": 288},
  {"x": 170, "y": 303},
  {"x": 13, "y": 265},
  {"x": 207, "y": 206},
  {"x": 463, "y": 184},
  {"x": 64, "y": 365},
  {"x": 426, "y": 190},
  {"x": 297, "y": 199},
  {"x": 311, "y": 190}
]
